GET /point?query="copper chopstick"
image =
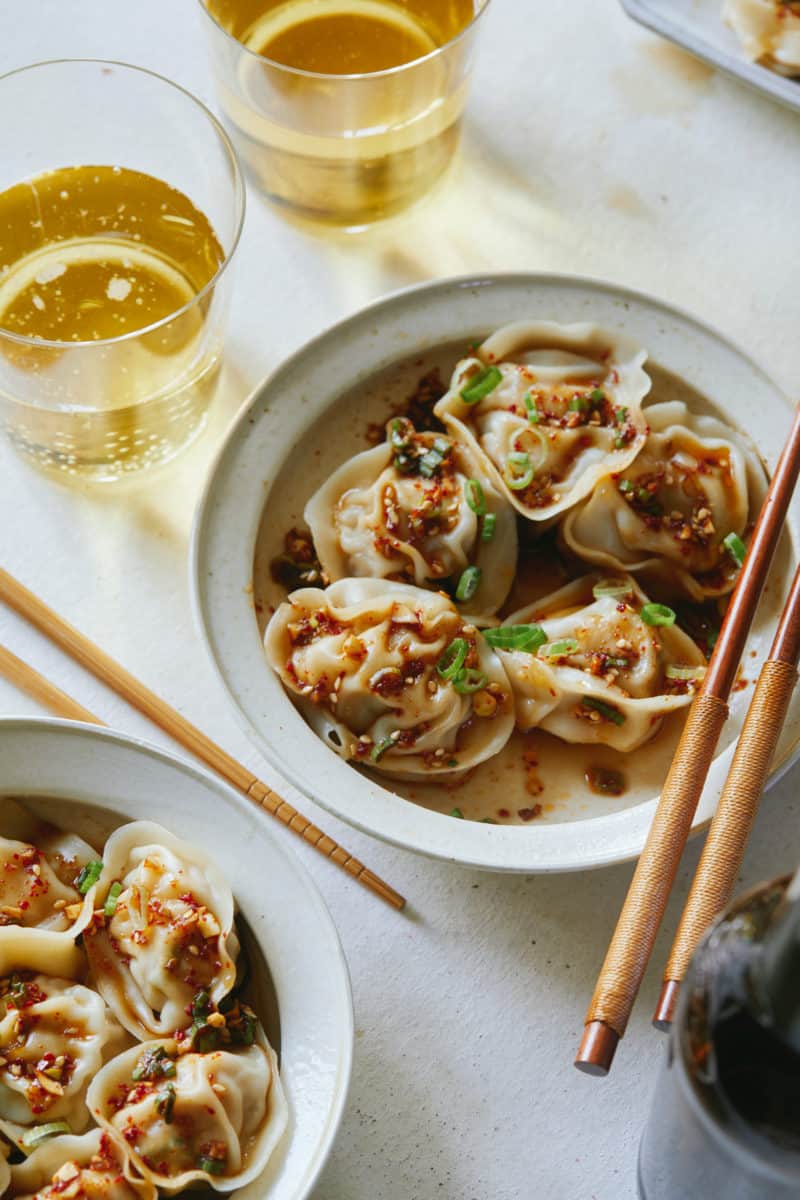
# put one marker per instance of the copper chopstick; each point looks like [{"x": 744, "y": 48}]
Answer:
[
  {"x": 722, "y": 855},
  {"x": 110, "y": 672},
  {"x": 632, "y": 942}
]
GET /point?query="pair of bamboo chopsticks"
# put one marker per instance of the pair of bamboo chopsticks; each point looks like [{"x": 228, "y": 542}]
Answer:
[
  {"x": 633, "y": 939},
  {"x": 110, "y": 672}
]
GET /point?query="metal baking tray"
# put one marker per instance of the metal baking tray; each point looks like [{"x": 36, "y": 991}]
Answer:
[{"x": 697, "y": 25}]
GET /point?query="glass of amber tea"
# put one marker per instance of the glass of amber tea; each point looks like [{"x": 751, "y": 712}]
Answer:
[
  {"x": 345, "y": 111},
  {"x": 121, "y": 204}
]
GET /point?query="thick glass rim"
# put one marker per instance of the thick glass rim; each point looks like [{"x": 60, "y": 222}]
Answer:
[
  {"x": 239, "y": 200},
  {"x": 300, "y": 72}
]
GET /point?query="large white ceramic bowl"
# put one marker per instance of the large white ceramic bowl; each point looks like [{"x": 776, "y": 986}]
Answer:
[
  {"x": 90, "y": 780},
  {"x": 272, "y": 458}
]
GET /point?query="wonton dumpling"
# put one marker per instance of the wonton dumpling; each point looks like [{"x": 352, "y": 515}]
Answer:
[
  {"x": 406, "y": 511},
  {"x": 170, "y": 935},
  {"x": 361, "y": 660},
  {"x": 39, "y": 869},
  {"x": 550, "y": 409},
  {"x": 769, "y": 31},
  {"x": 54, "y": 1037},
  {"x": 694, "y": 483},
  {"x": 197, "y": 1118},
  {"x": 601, "y": 676},
  {"x": 94, "y": 1166}
]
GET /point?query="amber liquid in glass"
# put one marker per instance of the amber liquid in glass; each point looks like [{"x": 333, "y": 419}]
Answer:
[
  {"x": 360, "y": 149},
  {"x": 89, "y": 254}
]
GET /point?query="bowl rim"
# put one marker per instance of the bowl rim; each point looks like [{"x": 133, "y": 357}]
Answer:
[
  {"x": 230, "y": 796},
  {"x": 625, "y": 849}
]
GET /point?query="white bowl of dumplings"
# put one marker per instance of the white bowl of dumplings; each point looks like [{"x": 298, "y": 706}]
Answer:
[
  {"x": 162, "y": 1026},
  {"x": 462, "y": 560}
]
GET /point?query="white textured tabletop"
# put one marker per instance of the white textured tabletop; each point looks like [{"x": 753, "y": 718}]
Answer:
[{"x": 590, "y": 148}]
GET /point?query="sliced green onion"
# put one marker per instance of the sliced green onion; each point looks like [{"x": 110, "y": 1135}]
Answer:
[
  {"x": 606, "y": 710},
  {"x": 519, "y": 472},
  {"x": 578, "y": 404},
  {"x": 379, "y": 749},
  {"x": 457, "y": 813},
  {"x": 452, "y": 658},
  {"x": 468, "y": 584},
  {"x": 110, "y": 906},
  {"x": 736, "y": 548},
  {"x": 625, "y": 486},
  {"x": 597, "y": 396},
  {"x": 609, "y": 589},
  {"x": 89, "y": 876},
  {"x": 475, "y": 497},
  {"x": 657, "y": 614},
  {"x": 673, "y": 672},
  {"x": 470, "y": 680},
  {"x": 430, "y": 462},
  {"x": 560, "y": 649},
  {"x": 621, "y": 416},
  {"x": 481, "y": 385},
  {"x": 40, "y": 1133},
  {"x": 488, "y": 527},
  {"x": 488, "y": 821},
  {"x": 154, "y": 1063},
  {"x": 211, "y": 1166},
  {"x": 534, "y": 416},
  {"x": 165, "y": 1103},
  {"x": 399, "y": 432},
  {"x": 619, "y": 443},
  {"x": 516, "y": 637}
]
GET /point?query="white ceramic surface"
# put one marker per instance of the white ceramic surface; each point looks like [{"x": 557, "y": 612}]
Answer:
[
  {"x": 698, "y": 27},
  {"x": 89, "y": 770},
  {"x": 260, "y": 445}
]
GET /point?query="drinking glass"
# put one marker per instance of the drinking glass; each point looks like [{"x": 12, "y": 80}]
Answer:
[
  {"x": 336, "y": 148},
  {"x": 165, "y": 205}
]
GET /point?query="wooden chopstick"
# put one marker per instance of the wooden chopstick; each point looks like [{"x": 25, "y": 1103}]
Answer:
[
  {"x": 632, "y": 942},
  {"x": 110, "y": 672},
  {"x": 722, "y": 855}
]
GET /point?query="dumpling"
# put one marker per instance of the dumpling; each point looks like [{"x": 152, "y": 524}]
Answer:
[
  {"x": 596, "y": 662},
  {"x": 419, "y": 509},
  {"x": 54, "y": 1036},
  {"x": 550, "y": 409},
  {"x": 44, "y": 882},
  {"x": 94, "y": 1166},
  {"x": 392, "y": 677},
  {"x": 194, "y": 1118},
  {"x": 695, "y": 484},
  {"x": 769, "y": 31},
  {"x": 165, "y": 932}
]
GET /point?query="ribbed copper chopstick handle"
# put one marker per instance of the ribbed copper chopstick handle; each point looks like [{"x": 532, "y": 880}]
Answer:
[
  {"x": 724, "y": 848},
  {"x": 635, "y": 933}
]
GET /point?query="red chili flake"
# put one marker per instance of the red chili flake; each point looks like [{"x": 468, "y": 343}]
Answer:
[
  {"x": 528, "y": 814},
  {"x": 503, "y": 812}
]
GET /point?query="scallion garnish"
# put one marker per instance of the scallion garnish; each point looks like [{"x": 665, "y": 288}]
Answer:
[
  {"x": 89, "y": 876},
  {"x": 452, "y": 658},
  {"x": 379, "y": 749},
  {"x": 457, "y": 813},
  {"x": 578, "y": 404},
  {"x": 475, "y": 497},
  {"x": 468, "y": 584},
  {"x": 736, "y": 548},
  {"x": 621, "y": 416},
  {"x": 488, "y": 527},
  {"x": 110, "y": 906},
  {"x": 625, "y": 486},
  {"x": 165, "y": 1103},
  {"x": 657, "y": 614},
  {"x": 597, "y": 396},
  {"x": 211, "y": 1166},
  {"x": 399, "y": 433},
  {"x": 430, "y": 462},
  {"x": 481, "y": 385},
  {"x": 516, "y": 637},
  {"x": 488, "y": 821},
  {"x": 606, "y": 710},
  {"x": 470, "y": 680},
  {"x": 674, "y": 672},
  {"x": 519, "y": 471},
  {"x": 154, "y": 1063},
  {"x": 561, "y": 649},
  {"x": 609, "y": 589},
  {"x": 40, "y": 1133},
  {"x": 534, "y": 416}
]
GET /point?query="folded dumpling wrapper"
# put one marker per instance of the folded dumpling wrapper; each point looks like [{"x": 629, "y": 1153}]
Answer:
[
  {"x": 94, "y": 1166},
  {"x": 402, "y": 510},
  {"x": 171, "y": 932},
  {"x": 363, "y": 661},
  {"x": 563, "y": 410},
  {"x": 228, "y": 1106},
  {"x": 601, "y": 677},
  {"x": 695, "y": 482}
]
